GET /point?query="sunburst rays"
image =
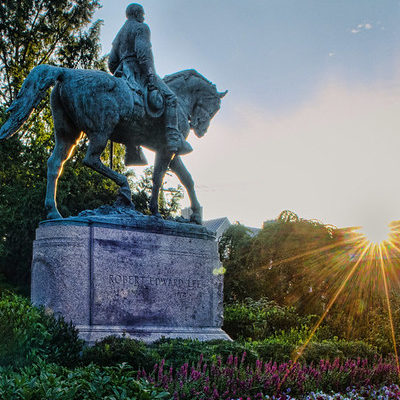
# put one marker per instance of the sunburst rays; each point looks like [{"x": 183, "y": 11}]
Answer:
[{"x": 362, "y": 270}]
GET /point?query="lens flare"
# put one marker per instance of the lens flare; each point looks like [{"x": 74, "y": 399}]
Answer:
[
  {"x": 389, "y": 308},
  {"x": 363, "y": 273},
  {"x": 374, "y": 232}
]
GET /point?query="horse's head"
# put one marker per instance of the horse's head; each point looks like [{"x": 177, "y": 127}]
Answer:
[
  {"x": 201, "y": 94},
  {"x": 204, "y": 109}
]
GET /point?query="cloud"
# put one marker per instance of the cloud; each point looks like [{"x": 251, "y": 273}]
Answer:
[
  {"x": 334, "y": 159},
  {"x": 361, "y": 27}
]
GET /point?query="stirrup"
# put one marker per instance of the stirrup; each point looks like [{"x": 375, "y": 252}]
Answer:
[
  {"x": 185, "y": 148},
  {"x": 134, "y": 156}
]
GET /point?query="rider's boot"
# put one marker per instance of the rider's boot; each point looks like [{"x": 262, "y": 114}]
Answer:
[{"x": 176, "y": 143}]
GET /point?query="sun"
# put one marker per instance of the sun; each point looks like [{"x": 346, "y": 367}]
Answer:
[{"x": 375, "y": 232}]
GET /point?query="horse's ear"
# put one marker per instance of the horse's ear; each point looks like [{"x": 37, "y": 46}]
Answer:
[{"x": 222, "y": 94}]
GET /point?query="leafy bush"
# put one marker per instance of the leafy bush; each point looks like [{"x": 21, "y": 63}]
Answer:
[
  {"x": 271, "y": 350},
  {"x": 172, "y": 352},
  {"x": 260, "y": 319},
  {"x": 357, "y": 349},
  {"x": 64, "y": 346},
  {"x": 28, "y": 333},
  {"x": 278, "y": 350},
  {"x": 224, "y": 349},
  {"x": 51, "y": 382},
  {"x": 176, "y": 352},
  {"x": 116, "y": 350}
]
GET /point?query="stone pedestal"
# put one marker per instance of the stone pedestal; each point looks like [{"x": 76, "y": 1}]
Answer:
[{"x": 145, "y": 280}]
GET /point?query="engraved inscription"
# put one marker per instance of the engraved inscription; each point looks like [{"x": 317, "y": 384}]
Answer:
[{"x": 154, "y": 281}]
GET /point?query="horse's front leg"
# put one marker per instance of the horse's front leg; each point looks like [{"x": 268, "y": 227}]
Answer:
[
  {"x": 160, "y": 168},
  {"x": 184, "y": 176}
]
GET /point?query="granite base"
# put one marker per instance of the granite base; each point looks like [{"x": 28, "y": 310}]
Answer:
[{"x": 141, "y": 281}]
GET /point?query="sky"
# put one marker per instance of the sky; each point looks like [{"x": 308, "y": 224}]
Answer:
[{"x": 311, "y": 122}]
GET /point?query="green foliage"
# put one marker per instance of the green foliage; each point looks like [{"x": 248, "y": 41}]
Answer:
[
  {"x": 50, "y": 382},
  {"x": 168, "y": 201},
  {"x": 176, "y": 352},
  {"x": 49, "y": 31},
  {"x": 63, "y": 346},
  {"x": 257, "y": 320},
  {"x": 224, "y": 349},
  {"x": 115, "y": 350},
  {"x": 279, "y": 263},
  {"x": 29, "y": 333},
  {"x": 233, "y": 246},
  {"x": 22, "y": 331},
  {"x": 35, "y": 32},
  {"x": 280, "y": 350},
  {"x": 302, "y": 264}
]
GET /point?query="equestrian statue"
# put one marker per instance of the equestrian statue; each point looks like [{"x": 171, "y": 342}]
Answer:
[{"x": 134, "y": 106}]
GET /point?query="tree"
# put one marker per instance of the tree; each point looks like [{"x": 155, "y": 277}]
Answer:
[
  {"x": 168, "y": 202},
  {"x": 45, "y": 31},
  {"x": 34, "y": 32},
  {"x": 283, "y": 262},
  {"x": 233, "y": 247}
]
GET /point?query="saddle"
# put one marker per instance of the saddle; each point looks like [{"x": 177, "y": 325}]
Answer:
[{"x": 152, "y": 100}]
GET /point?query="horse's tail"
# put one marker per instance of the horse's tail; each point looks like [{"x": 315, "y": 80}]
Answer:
[{"x": 33, "y": 90}]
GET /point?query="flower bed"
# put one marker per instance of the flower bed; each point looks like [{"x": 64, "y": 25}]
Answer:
[
  {"x": 391, "y": 392},
  {"x": 235, "y": 379}
]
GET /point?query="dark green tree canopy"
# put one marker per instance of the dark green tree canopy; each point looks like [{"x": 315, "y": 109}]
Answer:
[
  {"x": 282, "y": 262},
  {"x": 34, "y": 32}
]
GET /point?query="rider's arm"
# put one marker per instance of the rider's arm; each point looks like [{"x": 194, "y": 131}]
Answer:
[
  {"x": 113, "y": 60},
  {"x": 144, "y": 53}
]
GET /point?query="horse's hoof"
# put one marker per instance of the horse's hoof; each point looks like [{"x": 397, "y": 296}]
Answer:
[
  {"x": 196, "y": 219},
  {"x": 124, "y": 199}
]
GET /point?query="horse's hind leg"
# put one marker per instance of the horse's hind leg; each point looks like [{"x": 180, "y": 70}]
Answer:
[
  {"x": 97, "y": 144},
  {"x": 62, "y": 151},
  {"x": 160, "y": 168},
  {"x": 178, "y": 167}
]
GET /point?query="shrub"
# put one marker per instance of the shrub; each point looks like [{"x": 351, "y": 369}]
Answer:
[
  {"x": 116, "y": 350},
  {"x": 357, "y": 349},
  {"x": 28, "y": 333},
  {"x": 278, "y": 350},
  {"x": 257, "y": 320},
  {"x": 50, "y": 382},
  {"x": 176, "y": 352},
  {"x": 271, "y": 350}
]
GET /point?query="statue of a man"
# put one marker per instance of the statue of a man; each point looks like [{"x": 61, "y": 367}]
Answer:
[{"x": 132, "y": 57}]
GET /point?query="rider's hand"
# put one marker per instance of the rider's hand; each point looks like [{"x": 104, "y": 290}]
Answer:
[{"x": 151, "y": 82}]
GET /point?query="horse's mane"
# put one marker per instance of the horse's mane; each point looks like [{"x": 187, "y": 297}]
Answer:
[{"x": 186, "y": 74}]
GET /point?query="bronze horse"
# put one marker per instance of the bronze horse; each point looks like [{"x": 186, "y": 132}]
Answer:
[{"x": 104, "y": 107}]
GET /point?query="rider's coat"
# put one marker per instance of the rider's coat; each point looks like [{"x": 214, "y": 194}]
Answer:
[{"x": 131, "y": 53}]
